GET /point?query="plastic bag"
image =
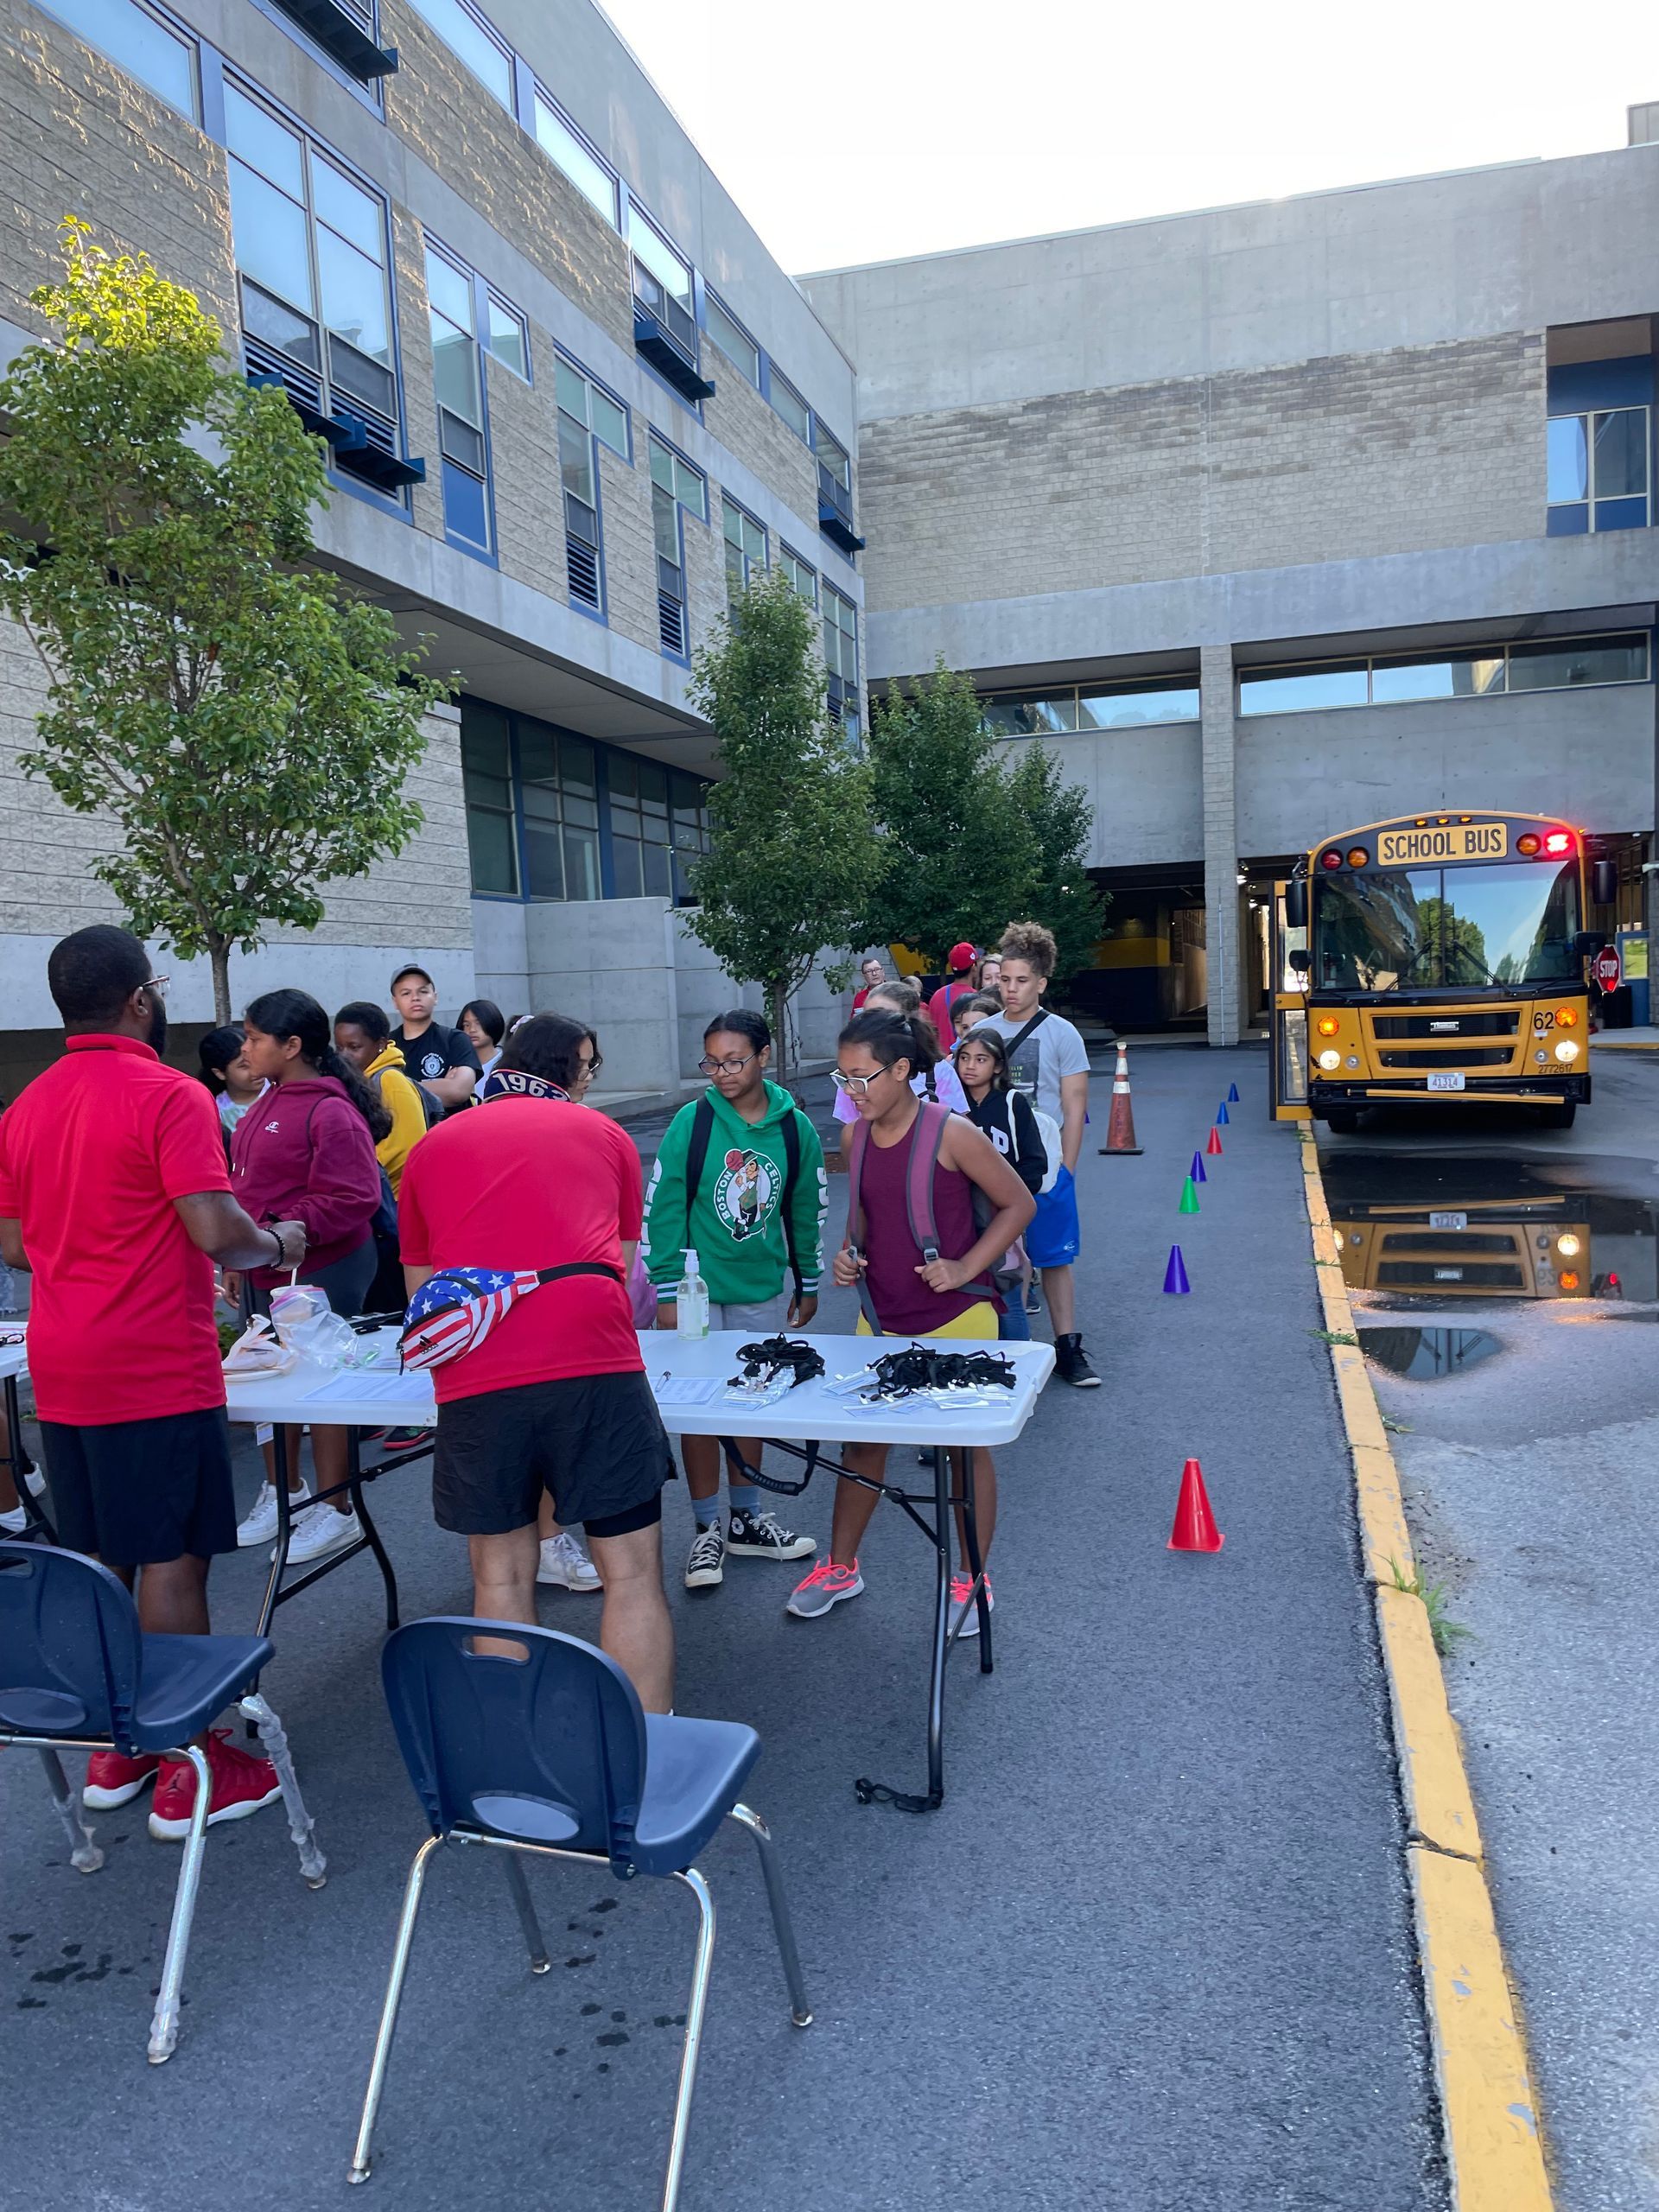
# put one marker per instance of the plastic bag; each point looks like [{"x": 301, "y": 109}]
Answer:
[
  {"x": 310, "y": 1328},
  {"x": 257, "y": 1352},
  {"x": 642, "y": 1295}
]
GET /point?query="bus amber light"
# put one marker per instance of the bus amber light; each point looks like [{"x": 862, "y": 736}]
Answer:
[
  {"x": 1567, "y": 1017},
  {"x": 1569, "y": 1281},
  {"x": 1529, "y": 844},
  {"x": 1329, "y": 1025},
  {"x": 1357, "y": 856}
]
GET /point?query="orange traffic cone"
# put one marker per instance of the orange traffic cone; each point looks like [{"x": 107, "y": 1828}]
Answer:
[
  {"x": 1120, "y": 1128},
  {"x": 1195, "y": 1528}
]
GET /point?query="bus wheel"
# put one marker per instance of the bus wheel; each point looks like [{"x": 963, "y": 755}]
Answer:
[
  {"x": 1343, "y": 1120},
  {"x": 1558, "y": 1117}
]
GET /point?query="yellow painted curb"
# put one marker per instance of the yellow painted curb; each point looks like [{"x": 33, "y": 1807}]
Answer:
[
  {"x": 1493, "y": 2139},
  {"x": 1489, "y": 2112}
]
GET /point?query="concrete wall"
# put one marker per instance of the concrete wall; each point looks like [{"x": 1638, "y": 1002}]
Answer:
[{"x": 1144, "y": 787}]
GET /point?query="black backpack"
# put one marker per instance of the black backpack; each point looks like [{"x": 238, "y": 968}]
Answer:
[{"x": 697, "y": 1155}]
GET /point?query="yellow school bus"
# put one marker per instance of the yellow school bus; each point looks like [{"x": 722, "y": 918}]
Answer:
[
  {"x": 1485, "y": 1248},
  {"x": 1436, "y": 958}
]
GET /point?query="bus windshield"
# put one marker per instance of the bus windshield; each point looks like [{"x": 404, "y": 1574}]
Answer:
[{"x": 1429, "y": 928}]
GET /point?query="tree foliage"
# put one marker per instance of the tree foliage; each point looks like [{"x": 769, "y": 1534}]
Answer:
[
  {"x": 1062, "y": 896},
  {"x": 247, "y": 721},
  {"x": 788, "y": 868}
]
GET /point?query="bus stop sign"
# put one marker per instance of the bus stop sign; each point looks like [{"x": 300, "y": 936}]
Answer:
[{"x": 1609, "y": 970}]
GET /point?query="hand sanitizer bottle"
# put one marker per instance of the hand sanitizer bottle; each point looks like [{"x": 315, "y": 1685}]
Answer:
[{"x": 691, "y": 1300}]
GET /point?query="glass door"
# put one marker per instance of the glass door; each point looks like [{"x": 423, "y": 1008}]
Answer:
[{"x": 1288, "y": 1017}]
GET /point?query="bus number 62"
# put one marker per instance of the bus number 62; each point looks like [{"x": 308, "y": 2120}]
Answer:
[{"x": 1541, "y": 1022}]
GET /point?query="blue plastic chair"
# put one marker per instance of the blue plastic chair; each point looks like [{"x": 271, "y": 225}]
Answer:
[
  {"x": 77, "y": 1673},
  {"x": 551, "y": 1754}
]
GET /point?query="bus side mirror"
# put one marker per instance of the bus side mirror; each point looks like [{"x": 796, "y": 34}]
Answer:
[
  {"x": 1300, "y": 963},
  {"x": 1603, "y": 883},
  {"x": 1296, "y": 904},
  {"x": 1587, "y": 944}
]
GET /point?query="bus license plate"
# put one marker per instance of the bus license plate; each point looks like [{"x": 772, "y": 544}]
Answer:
[
  {"x": 1448, "y": 1221},
  {"x": 1445, "y": 1083}
]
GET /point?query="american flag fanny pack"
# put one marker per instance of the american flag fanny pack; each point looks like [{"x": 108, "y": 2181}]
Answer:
[{"x": 455, "y": 1310}]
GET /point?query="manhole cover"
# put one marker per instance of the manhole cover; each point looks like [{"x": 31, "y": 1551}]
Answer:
[{"x": 1425, "y": 1354}]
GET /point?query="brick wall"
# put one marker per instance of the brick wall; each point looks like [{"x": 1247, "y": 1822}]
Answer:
[
  {"x": 1357, "y": 455},
  {"x": 746, "y": 425}
]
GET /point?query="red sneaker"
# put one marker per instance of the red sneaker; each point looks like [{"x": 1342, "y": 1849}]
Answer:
[
  {"x": 241, "y": 1784},
  {"x": 113, "y": 1779}
]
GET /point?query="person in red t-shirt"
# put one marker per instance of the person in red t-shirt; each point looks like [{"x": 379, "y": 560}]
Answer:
[
  {"x": 113, "y": 1193},
  {"x": 959, "y": 984},
  {"x": 872, "y": 975},
  {"x": 555, "y": 1398}
]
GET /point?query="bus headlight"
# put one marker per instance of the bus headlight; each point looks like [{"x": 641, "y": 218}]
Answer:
[
  {"x": 1566, "y": 1050},
  {"x": 1568, "y": 1247},
  {"x": 1334, "y": 1059}
]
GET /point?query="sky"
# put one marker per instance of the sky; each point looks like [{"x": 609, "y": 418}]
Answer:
[{"x": 854, "y": 130}]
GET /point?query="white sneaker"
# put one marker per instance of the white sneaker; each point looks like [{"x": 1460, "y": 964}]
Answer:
[
  {"x": 565, "y": 1564},
  {"x": 320, "y": 1530},
  {"x": 260, "y": 1524},
  {"x": 36, "y": 1480},
  {"x": 15, "y": 1522}
]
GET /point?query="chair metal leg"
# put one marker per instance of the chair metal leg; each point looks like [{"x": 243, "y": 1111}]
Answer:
[
  {"x": 412, "y": 1890},
  {"x": 301, "y": 1826},
  {"x": 539, "y": 1962},
  {"x": 694, "y": 2013},
  {"x": 164, "y": 2026},
  {"x": 85, "y": 1856},
  {"x": 800, "y": 2010}
]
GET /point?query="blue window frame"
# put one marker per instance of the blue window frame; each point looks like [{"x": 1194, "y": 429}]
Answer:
[
  {"x": 745, "y": 548},
  {"x": 452, "y": 294},
  {"x": 142, "y": 41},
  {"x": 664, "y": 309},
  {"x": 1599, "y": 446},
  {"x": 589, "y": 416},
  {"x": 572, "y": 153},
  {"x": 841, "y": 657},
  {"x": 733, "y": 340},
  {"x": 677, "y": 489},
  {"x": 475, "y": 41}
]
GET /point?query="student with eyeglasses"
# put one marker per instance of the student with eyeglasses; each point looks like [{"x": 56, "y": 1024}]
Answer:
[{"x": 740, "y": 1178}]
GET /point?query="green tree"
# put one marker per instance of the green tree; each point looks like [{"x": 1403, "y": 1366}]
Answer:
[
  {"x": 956, "y": 861},
  {"x": 246, "y": 721},
  {"x": 788, "y": 870},
  {"x": 1063, "y": 897}
]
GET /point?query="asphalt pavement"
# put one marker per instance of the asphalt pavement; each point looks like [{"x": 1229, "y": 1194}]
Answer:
[
  {"x": 1152, "y": 1955},
  {"x": 1528, "y": 1480}
]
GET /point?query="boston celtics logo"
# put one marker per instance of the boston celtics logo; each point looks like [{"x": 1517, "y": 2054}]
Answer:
[{"x": 746, "y": 1197}]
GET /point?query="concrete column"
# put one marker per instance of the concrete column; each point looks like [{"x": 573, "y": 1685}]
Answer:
[{"x": 1220, "y": 843}]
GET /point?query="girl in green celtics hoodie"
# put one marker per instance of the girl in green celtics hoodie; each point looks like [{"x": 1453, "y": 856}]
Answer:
[{"x": 739, "y": 1177}]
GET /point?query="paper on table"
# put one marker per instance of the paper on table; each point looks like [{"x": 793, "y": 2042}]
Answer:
[
  {"x": 685, "y": 1389},
  {"x": 356, "y": 1384}
]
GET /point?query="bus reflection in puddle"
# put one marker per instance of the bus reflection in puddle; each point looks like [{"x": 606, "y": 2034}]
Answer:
[{"x": 1445, "y": 1228}]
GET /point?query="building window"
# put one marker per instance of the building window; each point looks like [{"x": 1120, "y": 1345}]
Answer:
[
  {"x": 665, "y": 328},
  {"x": 559, "y": 789},
  {"x": 734, "y": 341},
  {"x": 659, "y": 826},
  {"x": 745, "y": 549},
  {"x": 316, "y": 312},
  {"x": 1540, "y": 664},
  {"x": 466, "y": 35},
  {"x": 138, "y": 41},
  {"x": 677, "y": 490},
  {"x": 570, "y": 153},
  {"x": 1057, "y": 709},
  {"x": 788, "y": 402},
  {"x": 834, "y": 491},
  {"x": 588, "y": 416},
  {"x": 802, "y": 579},
  {"x": 841, "y": 654},
  {"x": 458, "y": 383},
  {"x": 491, "y": 822},
  {"x": 506, "y": 334},
  {"x": 1599, "y": 470}
]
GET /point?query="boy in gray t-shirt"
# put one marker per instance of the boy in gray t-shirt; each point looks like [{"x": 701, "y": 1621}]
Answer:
[{"x": 1048, "y": 1061}]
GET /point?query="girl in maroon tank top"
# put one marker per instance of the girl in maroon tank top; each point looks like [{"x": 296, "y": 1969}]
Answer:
[{"x": 879, "y": 1054}]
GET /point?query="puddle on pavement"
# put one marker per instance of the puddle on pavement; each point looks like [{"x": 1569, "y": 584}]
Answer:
[
  {"x": 1425, "y": 1355},
  {"x": 1445, "y": 1225}
]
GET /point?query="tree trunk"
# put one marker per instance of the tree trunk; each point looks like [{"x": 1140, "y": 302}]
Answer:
[
  {"x": 778, "y": 1001},
  {"x": 219, "y": 952}
]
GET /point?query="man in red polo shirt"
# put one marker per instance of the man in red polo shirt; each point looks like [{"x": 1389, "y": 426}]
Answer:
[{"x": 114, "y": 1194}]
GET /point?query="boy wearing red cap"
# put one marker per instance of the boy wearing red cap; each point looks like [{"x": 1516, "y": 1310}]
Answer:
[{"x": 958, "y": 985}]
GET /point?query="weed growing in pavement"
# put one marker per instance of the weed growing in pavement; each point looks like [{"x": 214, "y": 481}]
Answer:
[
  {"x": 1399, "y": 1428},
  {"x": 1334, "y": 1336},
  {"x": 1447, "y": 1634}
]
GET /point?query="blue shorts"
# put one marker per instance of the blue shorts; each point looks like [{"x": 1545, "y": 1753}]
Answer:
[{"x": 1052, "y": 1236}]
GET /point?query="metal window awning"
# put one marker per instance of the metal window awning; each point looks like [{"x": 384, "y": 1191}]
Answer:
[
  {"x": 669, "y": 359},
  {"x": 338, "y": 30}
]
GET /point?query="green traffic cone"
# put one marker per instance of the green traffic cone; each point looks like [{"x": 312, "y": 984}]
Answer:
[{"x": 1189, "y": 1197}]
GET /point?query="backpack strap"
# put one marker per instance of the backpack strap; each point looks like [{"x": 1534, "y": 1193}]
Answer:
[
  {"x": 697, "y": 1155},
  {"x": 927, "y": 1139},
  {"x": 855, "y": 1219},
  {"x": 791, "y": 1176},
  {"x": 1036, "y": 1022}
]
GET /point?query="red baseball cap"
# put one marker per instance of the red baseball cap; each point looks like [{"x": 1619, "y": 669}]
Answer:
[{"x": 962, "y": 955}]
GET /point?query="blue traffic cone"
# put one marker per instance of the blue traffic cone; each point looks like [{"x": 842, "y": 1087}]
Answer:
[
  {"x": 1196, "y": 1171},
  {"x": 1232, "y": 1094},
  {"x": 1221, "y": 1114},
  {"x": 1175, "y": 1282}
]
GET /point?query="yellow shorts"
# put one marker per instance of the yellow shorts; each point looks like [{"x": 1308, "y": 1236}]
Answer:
[{"x": 978, "y": 1321}]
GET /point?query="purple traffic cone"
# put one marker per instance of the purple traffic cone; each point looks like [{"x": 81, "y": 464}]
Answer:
[
  {"x": 1232, "y": 1094},
  {"x": 1196, "y": 1171},
  {"x": 1175, "y": 1282}
]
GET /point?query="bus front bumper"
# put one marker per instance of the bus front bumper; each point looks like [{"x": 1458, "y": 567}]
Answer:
[{"x": 1491, "y": 1089}]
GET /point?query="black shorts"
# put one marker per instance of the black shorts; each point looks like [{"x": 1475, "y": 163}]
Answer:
[
  {"x": 138, "y": 1493},
  {"x": 596, "y": 1443}
]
